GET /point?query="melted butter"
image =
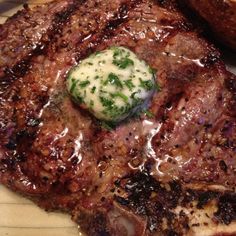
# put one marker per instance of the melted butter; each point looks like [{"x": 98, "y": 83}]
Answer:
[
  {"x": 144, "y": 130},
  {"x": 154, "y": 129},
  {"x": 182, "y": 57},
  {"x": 60, "y": 135},
  {"x": 77, "y": 147},
  {"x": 111, "y": 84}
]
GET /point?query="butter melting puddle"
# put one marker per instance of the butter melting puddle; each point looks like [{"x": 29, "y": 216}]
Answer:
[
  {"x": 77, "y": 146},
  {"x": 182, "y": 58},
  {"x": 149, "y": 129},
  {"x": 153, "y": 129},
  {"x": 52, "y": 91},
  {"x": 60, "y": 135},
  {"x": 162, "y": 167}
]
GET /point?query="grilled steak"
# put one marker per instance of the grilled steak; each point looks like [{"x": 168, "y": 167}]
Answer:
[
  {"x": 171, "y": 173},
  {"x": 219, "y": 16},
  {"x": 29, "y": 31}
]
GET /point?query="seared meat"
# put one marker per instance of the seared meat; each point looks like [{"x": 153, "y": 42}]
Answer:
[
  {"x": 169, "y": 174},
  {"x": 29, "y": 31},
  {"x": 219, "y": 15}
]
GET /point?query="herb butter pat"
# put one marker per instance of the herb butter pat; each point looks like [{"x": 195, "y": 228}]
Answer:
[{"x": 111, "y": 84}]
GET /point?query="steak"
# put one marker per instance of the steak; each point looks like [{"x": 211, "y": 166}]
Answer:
[{"x": 169, "y": 171}]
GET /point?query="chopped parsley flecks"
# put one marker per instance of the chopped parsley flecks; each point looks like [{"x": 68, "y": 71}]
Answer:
[
  {"x": 146, "y": 84},
  {"x": 112, "y": 84},
  {"x": 151, "y": 70},
  {"x": 107, "y": 125},
  {"x": 157, "y": 87},
  {"x": 97, "y": 53},
  {"x": 117, "y": 51},
  {"x": 83, "y": 84},
  {"x": 79, "y": 98},
  {"x": 73, "y": 86},
  {"x": 120, "y": 95},
  {"x": 149, "y": 114},
  {"x": 93, "y": 89},
  {"x": 106, "y": 102},
  {"x": 114, "y": 80},
  {"x": 129, "y": 84},
  {"x": 123, "y": 63},
  {"x": 91, "y": 104},
  {"x": 121, "y": 58}
]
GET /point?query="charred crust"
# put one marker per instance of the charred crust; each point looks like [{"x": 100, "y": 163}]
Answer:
[
  {"x": 230, "y": 84},
  {"x": 226, "y": 209},
  {"x": 24, "y": 65},
  {"x": 33, "y": 122},
  {"x": 63, "y": 16},
  {"x": 223, "y": 166},
  {"x": 169, "y": 4},
  {"x": 26, "y": 6},
  {"x": 120, "y": 18},
  {"x": 18, "y": 70},
  {"x": 11, "y": 145},
  {"x": 211, "y": 59},
  {"x": 122, "y": 201},
  {"x": 139, "y": 192},
  {"x": 96, "y": 223},
  {"x": 204, "y": 198},
  {"x": 21, "y": 137},
  {"x": 146, "y": 197},
  {"x": 9, "y": 163},
  {"x": 155, "y": 201}
]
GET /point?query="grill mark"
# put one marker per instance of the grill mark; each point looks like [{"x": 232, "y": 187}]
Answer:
[
  {"x": 29, "y": 135},
  {"x": 23, "y": 66},
  {"x": 120, "y": 18},
  {"x": 108, "y": 31}
]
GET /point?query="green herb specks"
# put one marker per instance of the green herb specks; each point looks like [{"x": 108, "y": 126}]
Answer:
[
  {"x": 149, "y": 114},
  {"x": 114, "y": 80},
  {"x": 120, "y": 95},
  {"x": 121, "y": 58},
  {"x": 83, "y": 84},
  {"x": 112, "y": 84},
  {"x": 146, "y": 84},
  {"x": 73, "y": 86},
  {"x": 129, "y": 84},
  {"x": 108, "y": 103},
  {"x": 123, "y": 63},
  {"x": 93, "y": 89}
]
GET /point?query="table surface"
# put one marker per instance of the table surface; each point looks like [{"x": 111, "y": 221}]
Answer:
[{"x": 19, "y": 216}]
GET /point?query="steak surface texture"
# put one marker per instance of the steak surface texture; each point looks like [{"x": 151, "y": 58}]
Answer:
[{"x": 169, "y": 173}]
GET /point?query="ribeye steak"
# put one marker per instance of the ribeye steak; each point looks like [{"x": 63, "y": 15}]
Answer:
[{"x": 171, "y": 173}]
